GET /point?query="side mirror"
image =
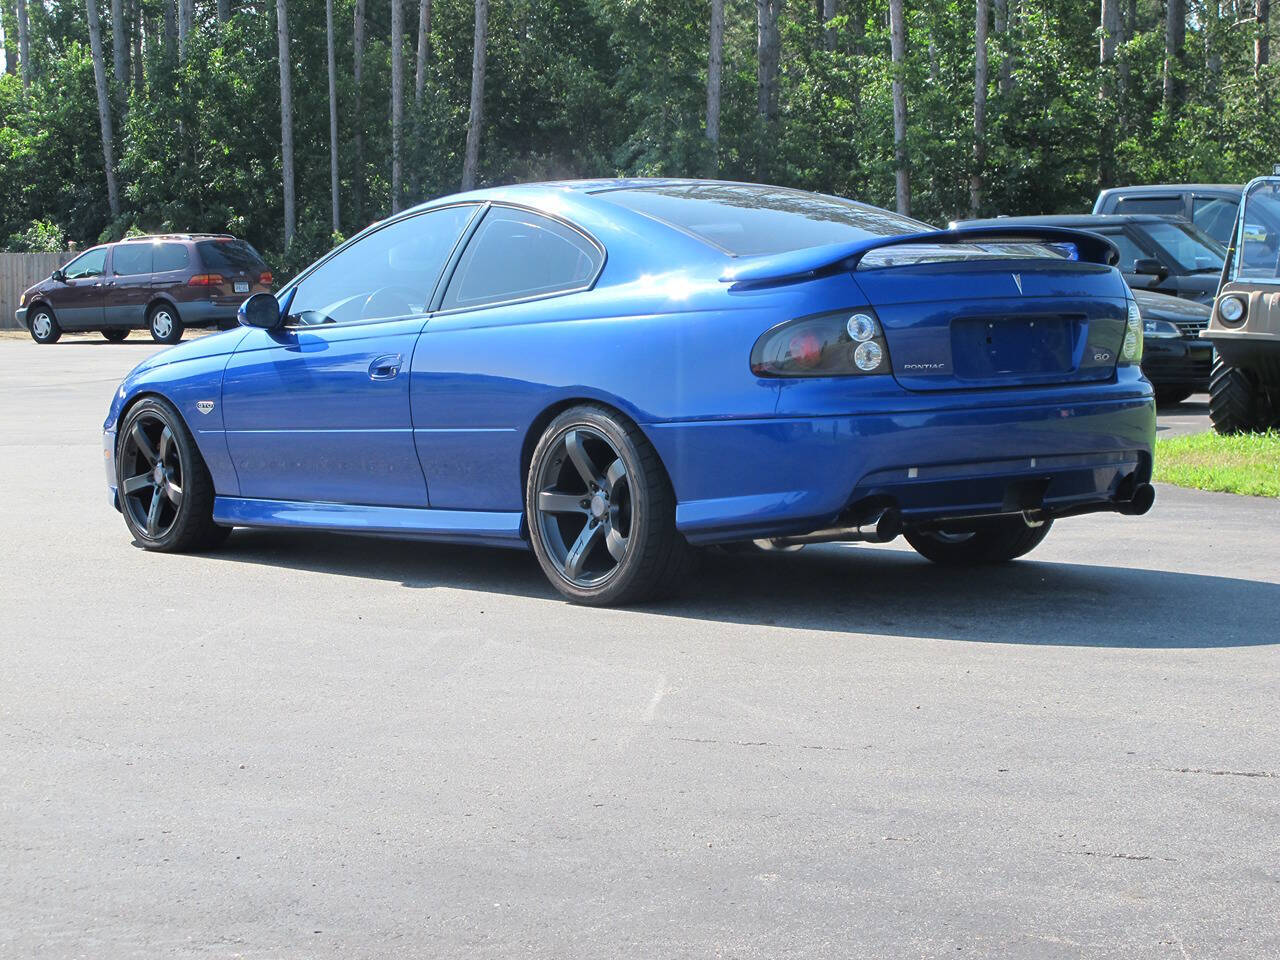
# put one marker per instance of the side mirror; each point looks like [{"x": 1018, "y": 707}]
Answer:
[
  {"x": 1149, "y": 267},
  {"x": 58, "y": 276},
  {"x": 261, "y": 310}
]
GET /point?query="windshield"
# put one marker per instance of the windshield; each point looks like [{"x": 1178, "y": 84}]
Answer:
[
  {"x": 747, "y": 220},
  {"x": 1259, "y": 249},
  {"x": 1193, "y": 250}
]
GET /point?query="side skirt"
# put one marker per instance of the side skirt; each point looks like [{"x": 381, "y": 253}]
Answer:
[{"x": 498, "y": 529}]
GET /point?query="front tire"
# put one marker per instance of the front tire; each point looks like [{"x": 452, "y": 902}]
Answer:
[
  {"x": 44, "y": 326},
  {"x": 998, "y": 541},
  {"x": 601, "y": 511},
  {"x": 165, "y": 324},
  {"x": 115, "y": 334},
  {"x": 163, "y": 485},
  {"x": 1234, "y": 399}
]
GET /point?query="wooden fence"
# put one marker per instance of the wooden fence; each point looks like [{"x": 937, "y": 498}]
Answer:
[{"x": 19, "y": 271}]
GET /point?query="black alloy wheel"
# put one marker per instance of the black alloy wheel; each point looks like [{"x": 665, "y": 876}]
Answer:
[
  {"x": 601, "y": 511},
  {"x": 163, "y": 485}
]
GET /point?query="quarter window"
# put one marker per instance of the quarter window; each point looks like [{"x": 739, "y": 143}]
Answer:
[
  {"x": 391, "y": 272},
  {"x": 171, "y": 256},
  {"x": 89, "y": 264},
  {"x": 516, "y": 254},
  {"x": 1165, "y": 205},
  {"x": 131, "y": 259}
]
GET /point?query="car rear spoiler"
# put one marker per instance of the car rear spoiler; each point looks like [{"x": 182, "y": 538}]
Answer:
[{"x": 797, "y": 264}]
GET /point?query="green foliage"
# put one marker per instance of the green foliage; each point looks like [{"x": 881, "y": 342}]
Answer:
[
  {"x": 43, "y": 236},
  {"x": 588, "y": 88}
]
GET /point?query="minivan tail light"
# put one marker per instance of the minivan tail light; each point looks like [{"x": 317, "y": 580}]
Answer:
[
  {"x": 840, "y": 344},
  {"x": 266, "y": 277},
  {"x": 205, "y": 280}
]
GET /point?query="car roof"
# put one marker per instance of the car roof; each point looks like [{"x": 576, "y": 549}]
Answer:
[
  {"x": 1172, "y": 188},
  {"x": 178, "y": 236}
]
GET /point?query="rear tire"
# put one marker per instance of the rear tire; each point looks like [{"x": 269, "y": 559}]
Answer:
[
  {"x": 998, "y": 541},
  {"x": 44, "y": 326},
  {"x": 115, "y": 335},
  {"x": 601, "y": 511},
  {"x": 163, "y": 486},
  {"x": 165, "y": 324},
  {"x": 1234, "y": 399}
]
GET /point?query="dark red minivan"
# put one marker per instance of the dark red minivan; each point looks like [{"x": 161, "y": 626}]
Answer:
[{"x": 162, "y": 283}]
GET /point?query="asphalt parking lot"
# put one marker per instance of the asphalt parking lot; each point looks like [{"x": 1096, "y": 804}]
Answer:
[{"x": 314, "y": 746}]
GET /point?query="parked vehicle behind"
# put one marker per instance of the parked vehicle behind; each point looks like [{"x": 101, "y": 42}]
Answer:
[
  {"x": 159, "y": 283},
  {"x": 1244, "y": 391},
  {"x": 1210, "y": 206},
  {"x": 1163, "y": 254},
  {"x": 612, "y": 372},
  {"x": 1174, "y": 358}
]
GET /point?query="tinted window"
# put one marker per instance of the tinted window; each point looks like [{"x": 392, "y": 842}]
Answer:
[
  {"x": 171, "y": 256},
  {"x": 1129, "y": 251},
  {"x": 1215, "y": 216},
  {"x": 130, "y": 259},
  {"x": 516, "y": 254},
  {"x": 87, "y": 264},
  {"x": 747, "y": 219},
  {"x": 229, "y": 256},
  {"x": 388, "y": 273},
  {"x": 1191, "y": 249},
  {"x": 1168, "y": 204}
]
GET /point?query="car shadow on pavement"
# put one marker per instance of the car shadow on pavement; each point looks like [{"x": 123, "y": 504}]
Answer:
[{"x": 848, "y": 588}]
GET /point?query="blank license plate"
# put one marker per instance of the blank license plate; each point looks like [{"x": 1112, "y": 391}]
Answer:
[{"x": 242, "y": 286}]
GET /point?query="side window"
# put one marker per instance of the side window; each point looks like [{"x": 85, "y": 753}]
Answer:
[
  {"x": 1215, "y": 216},
  {"x": 392, "y": 272},
  {"x": 1166, "y": 204},
  {"x": 516, "y": 254},
  {"x": 1129, "y": 251},
  {"x": 86, "y": 265},
  {"x": 171, "y": 256},
  {"x": 131, "y": 259}
]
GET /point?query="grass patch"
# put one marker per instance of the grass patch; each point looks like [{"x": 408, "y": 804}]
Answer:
[{"x": 1246, "y": 463}]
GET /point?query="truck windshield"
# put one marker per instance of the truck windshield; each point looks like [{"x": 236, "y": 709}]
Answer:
[{"x": 1258, "y": 253}]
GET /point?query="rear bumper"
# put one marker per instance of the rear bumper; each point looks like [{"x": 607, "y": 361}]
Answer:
[
  {"x": 1177, "y": 362},
  {"x": 744, "y": 479},
  {"x": 204, "y": 313}
]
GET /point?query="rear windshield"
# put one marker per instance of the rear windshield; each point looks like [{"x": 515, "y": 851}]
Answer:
[
  {"x": 747, "y": 220},
  {"x": 229, "y": 255}
]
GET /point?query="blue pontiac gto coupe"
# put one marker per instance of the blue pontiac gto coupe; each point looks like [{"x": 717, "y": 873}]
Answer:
[{"x": 614, "y": 372}]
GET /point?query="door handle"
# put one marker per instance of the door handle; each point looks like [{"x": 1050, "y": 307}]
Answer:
[{"x": 386, "y": 368}]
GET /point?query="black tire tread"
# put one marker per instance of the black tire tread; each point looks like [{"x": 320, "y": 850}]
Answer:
[
  {"x": 115, "y": 334},
  {"x": 1000, "y": 542},
  {"x": 56, "y": 331},
  {"x": 1233, "y": 402}
]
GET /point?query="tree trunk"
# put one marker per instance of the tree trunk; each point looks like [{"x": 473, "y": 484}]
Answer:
[
  {"x": 829, "y": 33},
  {"x": 1111, "y": 30},
  {"x": 333, "y": 117},
  {"x": 170, "y": 29},
  {"x": 104, "y": 106},
  {"x": 224, "y": 11},
  {"x": 397, "y": 101},
  {"x": 1004, "y": 81},
  {"x": 136, "y": 19},
  {"x": 9, "y": 25},
  {"x": 119, "y": 48},
  {"x": 357, "y": 41},
  {"x": 1262, "y": 43},
  {"x": 898, "y": 53},
  {"x": 768, "y": 45},
  {"x": 715, "y": 69},
  {"x": 184, "y": 27},
  {"x": 979, "y": 107},
  {"x": 424, "y": 50},
  {"x": 475, "y": 123},
  {"x": 24, "y": 45},
  {"x": 286, "y": 118},
  {"x": 1175, "y": 35}
]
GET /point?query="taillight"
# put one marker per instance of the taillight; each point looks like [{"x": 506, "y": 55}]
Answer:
[
  {"x": 847, "y": 343},
  {"x": 265, "y": 278},
  {"x": 1131, "y": 349},
  {"x": 205, "y": 280}
]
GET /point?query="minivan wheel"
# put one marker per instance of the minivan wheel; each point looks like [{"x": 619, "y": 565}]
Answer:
[
  {"x": 166, "y": 325},
  {"x": 601, "y": 511},
  {"x": 162, "y": 482},
  {"x": 115, "y": 334},
  {"x": 44, "y": 326},
  {"x": 997, "y": 541}
]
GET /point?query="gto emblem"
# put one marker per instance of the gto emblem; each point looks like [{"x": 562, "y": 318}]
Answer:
[
  {"x": 1017, "y": 281},
  {"x": 204, "y": 406}
]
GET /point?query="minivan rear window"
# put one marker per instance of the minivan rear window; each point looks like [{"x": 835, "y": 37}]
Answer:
[
  {"x": 229, "y": 256},
  {"x": 747, "y": 220}
]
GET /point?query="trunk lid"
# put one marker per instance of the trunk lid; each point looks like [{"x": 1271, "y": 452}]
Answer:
[{"x": 991, "y": 322}]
